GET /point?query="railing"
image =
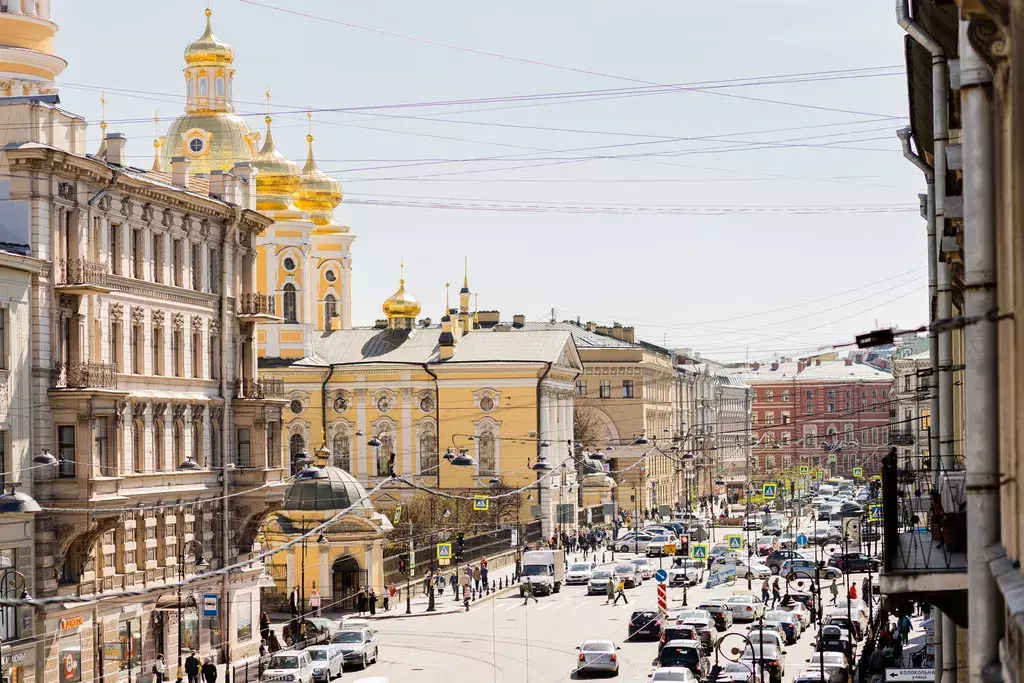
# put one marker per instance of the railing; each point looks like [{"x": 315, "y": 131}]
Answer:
[
  {"x": 256, "y": 304},
  {"x": 81, "y": 375},
  {"x": 257, "y": 389},
  {"x": 902, "y": 437},
  {"x": 80, "y": 271},
  {"x": 924, "y": 523}
]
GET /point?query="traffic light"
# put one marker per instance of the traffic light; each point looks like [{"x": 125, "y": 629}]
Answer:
[{"x": 460, "y": 546}]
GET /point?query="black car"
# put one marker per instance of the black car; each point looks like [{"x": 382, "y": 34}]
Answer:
[
  {"x": 777, "y": 557},
  {"x": 678, "y": 632},
  {"x": 645, "y": 623},
  {"x": 854, "y": 562},
  {"x": 686, "y": 653}
]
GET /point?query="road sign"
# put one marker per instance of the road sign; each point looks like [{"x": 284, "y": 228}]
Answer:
[
  {"x": 210, "y": 605},
  {"x": 831, "y": 457},
  {"x": 874, "y": 513},
  {"x": 909, "y": 674},
  {"x": 670, "y": 549},
  {"x": 801, "y": 540},
  {"x": 851, "y": 530},
  {"x": 858, "y": 472},
  {"x": 699, "y": 551},
  {"x": 412, "y": 561},
  {"x": 398, "y": 514},
  {"x": 662, "y": 599},
  {"x": 481, "y": 503},
  {"x": 821, "y": 475},
  {"x": 735, "y": 542},
  {"x": 443, "y": 562},
  {"x": 661, "y": 576},
  {"x": 444, "y": 551},
  {"x": 768, "y": 490},
  {"x": 804, "y": 469}
]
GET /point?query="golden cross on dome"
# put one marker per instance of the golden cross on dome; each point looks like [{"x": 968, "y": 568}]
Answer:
[
  {"x": 401, "y": 270},
  {"x": 267, "y": 95},
  {"x": 447, "y": 307},
  {"x": 156, "y": 123},
  {"x": 309, "y": 120},
  {"x": 103, "y": 110},
  {"x": 465, "y": 271}
]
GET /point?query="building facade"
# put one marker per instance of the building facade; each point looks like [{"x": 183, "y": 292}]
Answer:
[{"x": 911, "y": 405}]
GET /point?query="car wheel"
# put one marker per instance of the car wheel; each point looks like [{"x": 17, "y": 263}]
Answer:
[{"x": 363, "y": 664}]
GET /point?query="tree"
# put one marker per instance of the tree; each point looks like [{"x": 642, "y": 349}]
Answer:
[{"x": 588, "y": 429}]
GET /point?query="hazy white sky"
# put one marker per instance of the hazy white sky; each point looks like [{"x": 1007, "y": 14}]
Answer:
[{"x": 598, "y": 208}]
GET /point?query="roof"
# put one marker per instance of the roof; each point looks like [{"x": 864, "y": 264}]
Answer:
[
  {"x": 828, "y": 370},
  {"x": 584, "y": 338},
  {"x": 325, "y": 488}
]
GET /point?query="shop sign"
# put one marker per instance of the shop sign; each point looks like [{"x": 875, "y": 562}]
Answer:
[
  {"x": 70, "y": 665},
  {"x": 71, "y": 622},
  {"x": 14, "y": 658}
]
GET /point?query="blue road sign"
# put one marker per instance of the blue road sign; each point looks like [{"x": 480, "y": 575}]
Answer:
[
  {"x": 801, "y": 540},
  {"x": 768, "y": 490},
  {"x": 661, "y": 576},
  {"x": 210, "y": 605}
]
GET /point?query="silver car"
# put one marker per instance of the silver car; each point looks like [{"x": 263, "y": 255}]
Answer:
[
  {"x": 597, "y": 656},
  {"x": 598, "y": 582},
  {"x": 579, "y": 573},
  {"x": 358, "y": 646},
  {"x": 328, "y": 662}
]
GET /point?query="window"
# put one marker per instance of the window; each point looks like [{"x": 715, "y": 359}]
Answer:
[
  {"x": 832, "y": 394},
  {"x": 769, "y": 419},
  {"x": 330, "y": 276},
  {"x": 296, "y": 445},
  {"x": 290, "y": 308},
  {"x": 289, "y": 264},
  {"x": 487, "y": 450},
  {"x": 785, "y": 418},
  {"x": 214, "y": 257},
  {"x": 197, "y": 442},
  {"x": 13, "y": 587},
  {"x": 785, "y": 397},
  {"x": 179, "y": 443},
  {"x": 273, "y": 452},
  {"x": 810, "y": 394},
  {"x": 203, "y": 87},
  {"x": 177, "y": 341},
  {"x": 138, "y": 260},
  {"x": 330, "y": 310},
  {"x": 197, "y": 267},
  {"x": 3, "y": 460},
  {"x": 606, "y": 388},
  {"x": 581, "y": 388},
  {"x": 139, "y": 446},
  {"x": 158, "y": 350},
  {"x": 215, "y": 450},
  {"x": 769, "y": 461},
  {"x": 188, "y": 88},
  {"x": 115, "y": 248},
  {"x": 215, "y": 356},
  {"x": 129, "y": 635},
  {"x": 831, "y": 407},
  {"x": 627, "y": 388},
  {"x": 137, "y": 355},
  {"x": 343, "y": 445},
  {"x": 219, "y": 86},
  {"x": 100, "y": 447},
  {"x": 753, "y": 419},
  {"x": 197, "y": 354},
  {"x": 810, "y": 408},
  {"x": 243, "y": 436},
  {"x": 387, "y": 447},
  {"x": 158, "y": 443},
  {"x": 66, "y": 451},
  {"x": 769, "y": 396},
  {"x": 158, "y": 258},
  {"x": 177, "y": 258},
  {"x": 785, "y": 438}
]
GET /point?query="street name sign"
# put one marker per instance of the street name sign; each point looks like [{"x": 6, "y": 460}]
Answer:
[{"x": 909, "y": 674}]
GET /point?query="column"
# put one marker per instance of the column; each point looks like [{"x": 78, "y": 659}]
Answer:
[
  {"x": 408, "y": 444},
  {"x": 543, "y": 488},
  {"x": 359, "y": 465}
]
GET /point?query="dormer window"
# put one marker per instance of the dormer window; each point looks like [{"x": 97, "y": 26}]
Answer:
[
  {"x": 203, "y": 87},
  {"x": 196, "y": 145}
]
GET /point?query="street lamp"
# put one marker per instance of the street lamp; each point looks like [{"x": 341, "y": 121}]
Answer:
[
  {"x": 200, "y": 565},
  {"x": 44, "y": 458}
]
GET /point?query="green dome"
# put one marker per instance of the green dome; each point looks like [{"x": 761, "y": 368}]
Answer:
[{"x": 325, "y": 488}]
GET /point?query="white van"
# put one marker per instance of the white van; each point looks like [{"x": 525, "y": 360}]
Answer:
[{"x": 544, "y": 569}]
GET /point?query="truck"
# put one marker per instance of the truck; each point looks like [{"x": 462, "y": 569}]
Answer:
[{"x": 544, "y": 569}]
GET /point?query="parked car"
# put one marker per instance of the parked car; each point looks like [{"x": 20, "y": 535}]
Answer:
[
  {"x": 766, "y": 633},
  {"x": 751, "y": 523},
  {"x": 598, "y": 582},
  {"x": 765, "y": 544},
  {"x": 321, "y": 626},
  {"x": 328, "y": 662},
  {"x": 673, "y": 674},
  {"x": 745, "y": 607},
  {"x": 579, "y": 573},
  {"x": 805, "y": 569},
  {"x": 289, "y": 665},
  {"x": 720, "y": 612},
  {"x": 685, "y": 653},
  {"x": 855, "y": 562},
  {"x": 597, "y": 655},
  {"x": 677, "y": 632},
  {"x": 359, "y": 646},
  {"x": 799, "y": 610},
  {"x": 790, "y": 623},
  {"x": 777, "y": 557},
  {"x": 706, "y": 632},
  {"x": 739, "y": 672},
  {"x": 629, "y": 574},
  {"x": 630, "y": 542},
  {"x": 645, "y": 622},
  {"x": 645, "y": 566},
  {"x": 767, "y": 656}
]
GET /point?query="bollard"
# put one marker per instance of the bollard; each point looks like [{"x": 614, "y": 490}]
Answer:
[{"x": 602, "y": 558}]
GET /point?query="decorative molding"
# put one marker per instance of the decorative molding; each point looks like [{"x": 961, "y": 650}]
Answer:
[
  {"x": 427, "y": 402},
  {"x": 147, "y": 212},
  {"x": 214, "y": 326},
  {"x": 161, "y": 292},
  {"x": 204, "y": 227},
  {"x": 166, "y": 218},
  {"x": 488, "y": 399},
  {"x": 138, "y": 315},
  {"x": 197, "y": 323},
  {"x": 990, "y": 37},
  {"x": 65, "y": 301},
  {"x": 127, "y": 205},
  {"x": 120, "y": 407},
  {"x": 216, "y": 413},
  {"x": 139, "y": 410},
  {"x": 186, "y": 224},
  {"x": 66, "y": 191},
  {"x": 178, "y": 410},
  {"x": 197, "y": 412},
  {"x": 105, "y": 202},
  {"x": 116, "y": 311},
  {"x": 159, "y": 409},
  {"x": 178, "y": 321},
  {"x": 158, "y": 318}
]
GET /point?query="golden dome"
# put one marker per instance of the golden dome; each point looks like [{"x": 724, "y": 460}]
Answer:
[
  {"x": 278, "y": 177},
  {"x": 401, "y": 304},
  {"x": 209, "y": 49},
  {"x": 211, "y": 141},
  {"x": 317, "y": 193}
]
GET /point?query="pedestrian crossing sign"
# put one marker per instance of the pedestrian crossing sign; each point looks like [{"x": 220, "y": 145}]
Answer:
[
  {"x": 804, "y": 469},
  {"x": 481, "y": 503},
  {"x": 735, "y": 542},
  {"x": 821, "y": 475},
  {"x": 398, "y": 514},
  {"x": 858, "y": 472},
  {"x": 444, "y": 551},
  {"x": 768, "y": 490},
  {"x": 874, "y": 513},
  {"x": 699, "y": 551},
  {"x": 831, "y": 457}
]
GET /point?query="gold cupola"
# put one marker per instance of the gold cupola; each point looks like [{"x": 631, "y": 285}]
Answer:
[
  {"x": 401, "y": 308},
  {"x": 209, "y": 50},
  {"x": 318, "y": 193},
  {"x": 278, "y": 177}
]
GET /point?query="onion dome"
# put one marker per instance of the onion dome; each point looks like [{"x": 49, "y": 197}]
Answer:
[
  {"x": 278, "y": 176},
  {"x": 317, "y": 193},
  {"x": 401, "y": 308},
  {"x": 209, "y": 49},
  {"x": 325, "y": 488}
]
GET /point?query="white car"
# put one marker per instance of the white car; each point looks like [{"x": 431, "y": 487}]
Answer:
[
  {"x": 631, "y": 542},
  {"x": 857, "y": 606},
  {"x": 656, "y": 548},
  {"x": 745, "y": 607},
  {"x": 745, "y": 568},
  {"x": 579, "y": 573},
  {"x": 800, "y": 610},
  {"x": 673, "y": 674},
  {"x": 328, "y": 662},
  {"x": 293, "y": 666},
  {"x": 646, "y": 568}
]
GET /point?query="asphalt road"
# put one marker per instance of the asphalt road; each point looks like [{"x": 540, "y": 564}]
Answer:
[{"x": 501, "y": 640}]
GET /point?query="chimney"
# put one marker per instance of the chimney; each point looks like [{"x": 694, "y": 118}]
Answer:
[
  {"x": 115, "y": 148},
  {"x": 591, "y": 326},
  {"x": 817, "y": 361},
  {"x": 518, "y": 320},
  {"x": 617, "y": 331},
  {"x": 628, "y": 335},
  {"x": 179, "y": 171},
  {"x": 489, "y": 318},
  {"x": 446, "y": 341},
  {"x": 755, "y": 366},
  {"x": 859, "y": 358},
  {"x": 218, "y": 185},
  {"x": 849, "y": 362},
  {"x": 775, "y": 366},
  {"x": 380, "y": 324},
  {"x": 601, "y": 329},
  {"x": 246, "y": 184},
  {"x": 800, "y": 366},
  {"x": 425, "y": 322}
]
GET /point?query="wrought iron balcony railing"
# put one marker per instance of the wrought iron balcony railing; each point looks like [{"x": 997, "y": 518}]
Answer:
[
  {"x": 80, "y": 272},
  {"x": 253, "y": 305},
  {"x": 258, "y": 389},
  {"x": 84, "y": 375}
]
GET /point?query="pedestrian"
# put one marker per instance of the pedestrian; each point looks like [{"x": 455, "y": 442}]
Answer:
[
  {"x": 273, "y": 644},
  {"x": 610, "y": 590},
  {"x": 476, "y": 578},
  {"x": 866, "y": 589},
  {"x": 904, "y": 626},
  {"x": 159, "y": 669},
  {"x": 209, "y": 671},
  {"x": 620, "y": 592},
  {"x": 834, "y": 590},
  {"x": 361, "y": 603},
  {"x": 192, "y": 666},
  {"x": 764, "y": 591},
  {"x": 293, "y": 602},
  {"x": 528, "y": 593},
  {"x": 483, "y": 573},
  {"x": 264, "y": 626},
  {"x": 776, "y": 592},
  {"x": 426, "y": 582},
  {"x": 453, "y": 581},
  {"x": 467, "y": 581},
  {"x": 392, "y": 591},
  {"x": 314, "y": 601},
  {"x": 853, "y": 591},
  {"x": 372, "y": 602},
  {"x": 519, "y": 568},
  {"x": 264, "y": 649}
]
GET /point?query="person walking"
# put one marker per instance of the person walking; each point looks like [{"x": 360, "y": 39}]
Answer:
[
  {"x": 361, "y": 603},
  {"x": 426, "y": 582},
  {"x": 453, "y": 581},
  {"x": 293, "y": 602},
  {"x": 192, "y": 666},
  {"x": 776, "y": 592},
  {"x": 610, "y": 590},
  {"x": 834, "y": 590},
  {"x": 904, "y": 626},
  {"x": 476, "y": 578},
  {"x": 483, "y": 573},
  {"x": 528, "y": 593},
  {"x": 764, "y": 591},
  {"x": 314, "y": 601},
  {"x": 265, "y": 626},
  {"x": 518, "y": 569},
  {"x": 853, "y": 591},
  {"x": 372, "y": 601},
  {"x": 159, "y": 669},
  {"x": 390, "y": 593},
  {"x": 209, "y": 671},
  {"x": 273, "y": 644},
  {"x": 620, "y": 592},
  {"x": 865, "y": 588}
]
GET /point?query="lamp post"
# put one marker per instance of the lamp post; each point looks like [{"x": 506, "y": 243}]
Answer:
[{"x": 200, "y": 564}]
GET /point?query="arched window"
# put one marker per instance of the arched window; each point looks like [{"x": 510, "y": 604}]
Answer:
[
  {"x": 290, "y": 308},
  {"x": 188, "y": 88},
  {"x": 296, "y": 445},
  {"x": 486, "y": 448},
  {"x": 158, "y": 444},
  {"x": 203, "y": 88},
  {"x": 428, "y": 452},
  {"x": 215, "y": 451},
  {"x": 387, "y": 447},
  {"x": 139, "y": 445},
  {"x": 220, "y": 87},
  {"x": 330, "y": 310},
  {"x": 179, "y": 443},
  {"x": 197, "y": 443},
  {"x": 342, "y": 450}
]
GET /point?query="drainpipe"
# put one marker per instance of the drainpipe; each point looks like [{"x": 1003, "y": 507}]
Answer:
[
  {"x": 944, "y": 628},
  {"x": 981, "y": 399}
]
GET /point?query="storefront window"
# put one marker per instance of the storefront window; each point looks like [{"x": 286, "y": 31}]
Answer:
[
  {"x": 11, "y": 587},
  {"x": 190, "y": 632},
  {"x": 243, "y": 605},
  {"x": 129, "y": 635},
  {"x": 212, "y": 625}
]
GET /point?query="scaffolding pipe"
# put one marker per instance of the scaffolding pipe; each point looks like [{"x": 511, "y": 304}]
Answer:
[{"x": 981, "y": 405}]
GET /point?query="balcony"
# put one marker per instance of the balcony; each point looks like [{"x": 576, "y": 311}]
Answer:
[
  {"x": 924, "y": 532},
  {"x": 258, "y": 389},
  {"x": 256, "y": 307},
  {"x": 83, "y": 375},
  {"x": 904, "y": 437},
  {"x": 80, "y": 276}
]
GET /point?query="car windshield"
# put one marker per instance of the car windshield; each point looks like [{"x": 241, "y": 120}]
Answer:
[
  {"x": 676, "y": 676},
  {"x": 739, "y": 600},
  {"x": 580, "y": 567},
  {"x": 680, "y": 633},
  {"x": 679, "y": 656},
  {"x": 624, "y": 569},
  {"x": 643, "y": 616},
  {"x": 283, "y": 662},
  {"x": 598, "y": 647},
  {"x": 349, "y": 637},
  {"x": 318, "y": 655},
  {"x": 600, "y": 575},
  {"x": 737, "y": 668},
  {"x": 536, "y": 570}
]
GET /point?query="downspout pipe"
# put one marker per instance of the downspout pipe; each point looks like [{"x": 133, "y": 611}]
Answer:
[{"x": 981, "y": 400}]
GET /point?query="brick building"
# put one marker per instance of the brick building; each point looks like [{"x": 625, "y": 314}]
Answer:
[{"x": 805, "y": 408}]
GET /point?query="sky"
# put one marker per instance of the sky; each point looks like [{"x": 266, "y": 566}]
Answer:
[{"x": 723, "y": 176}]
